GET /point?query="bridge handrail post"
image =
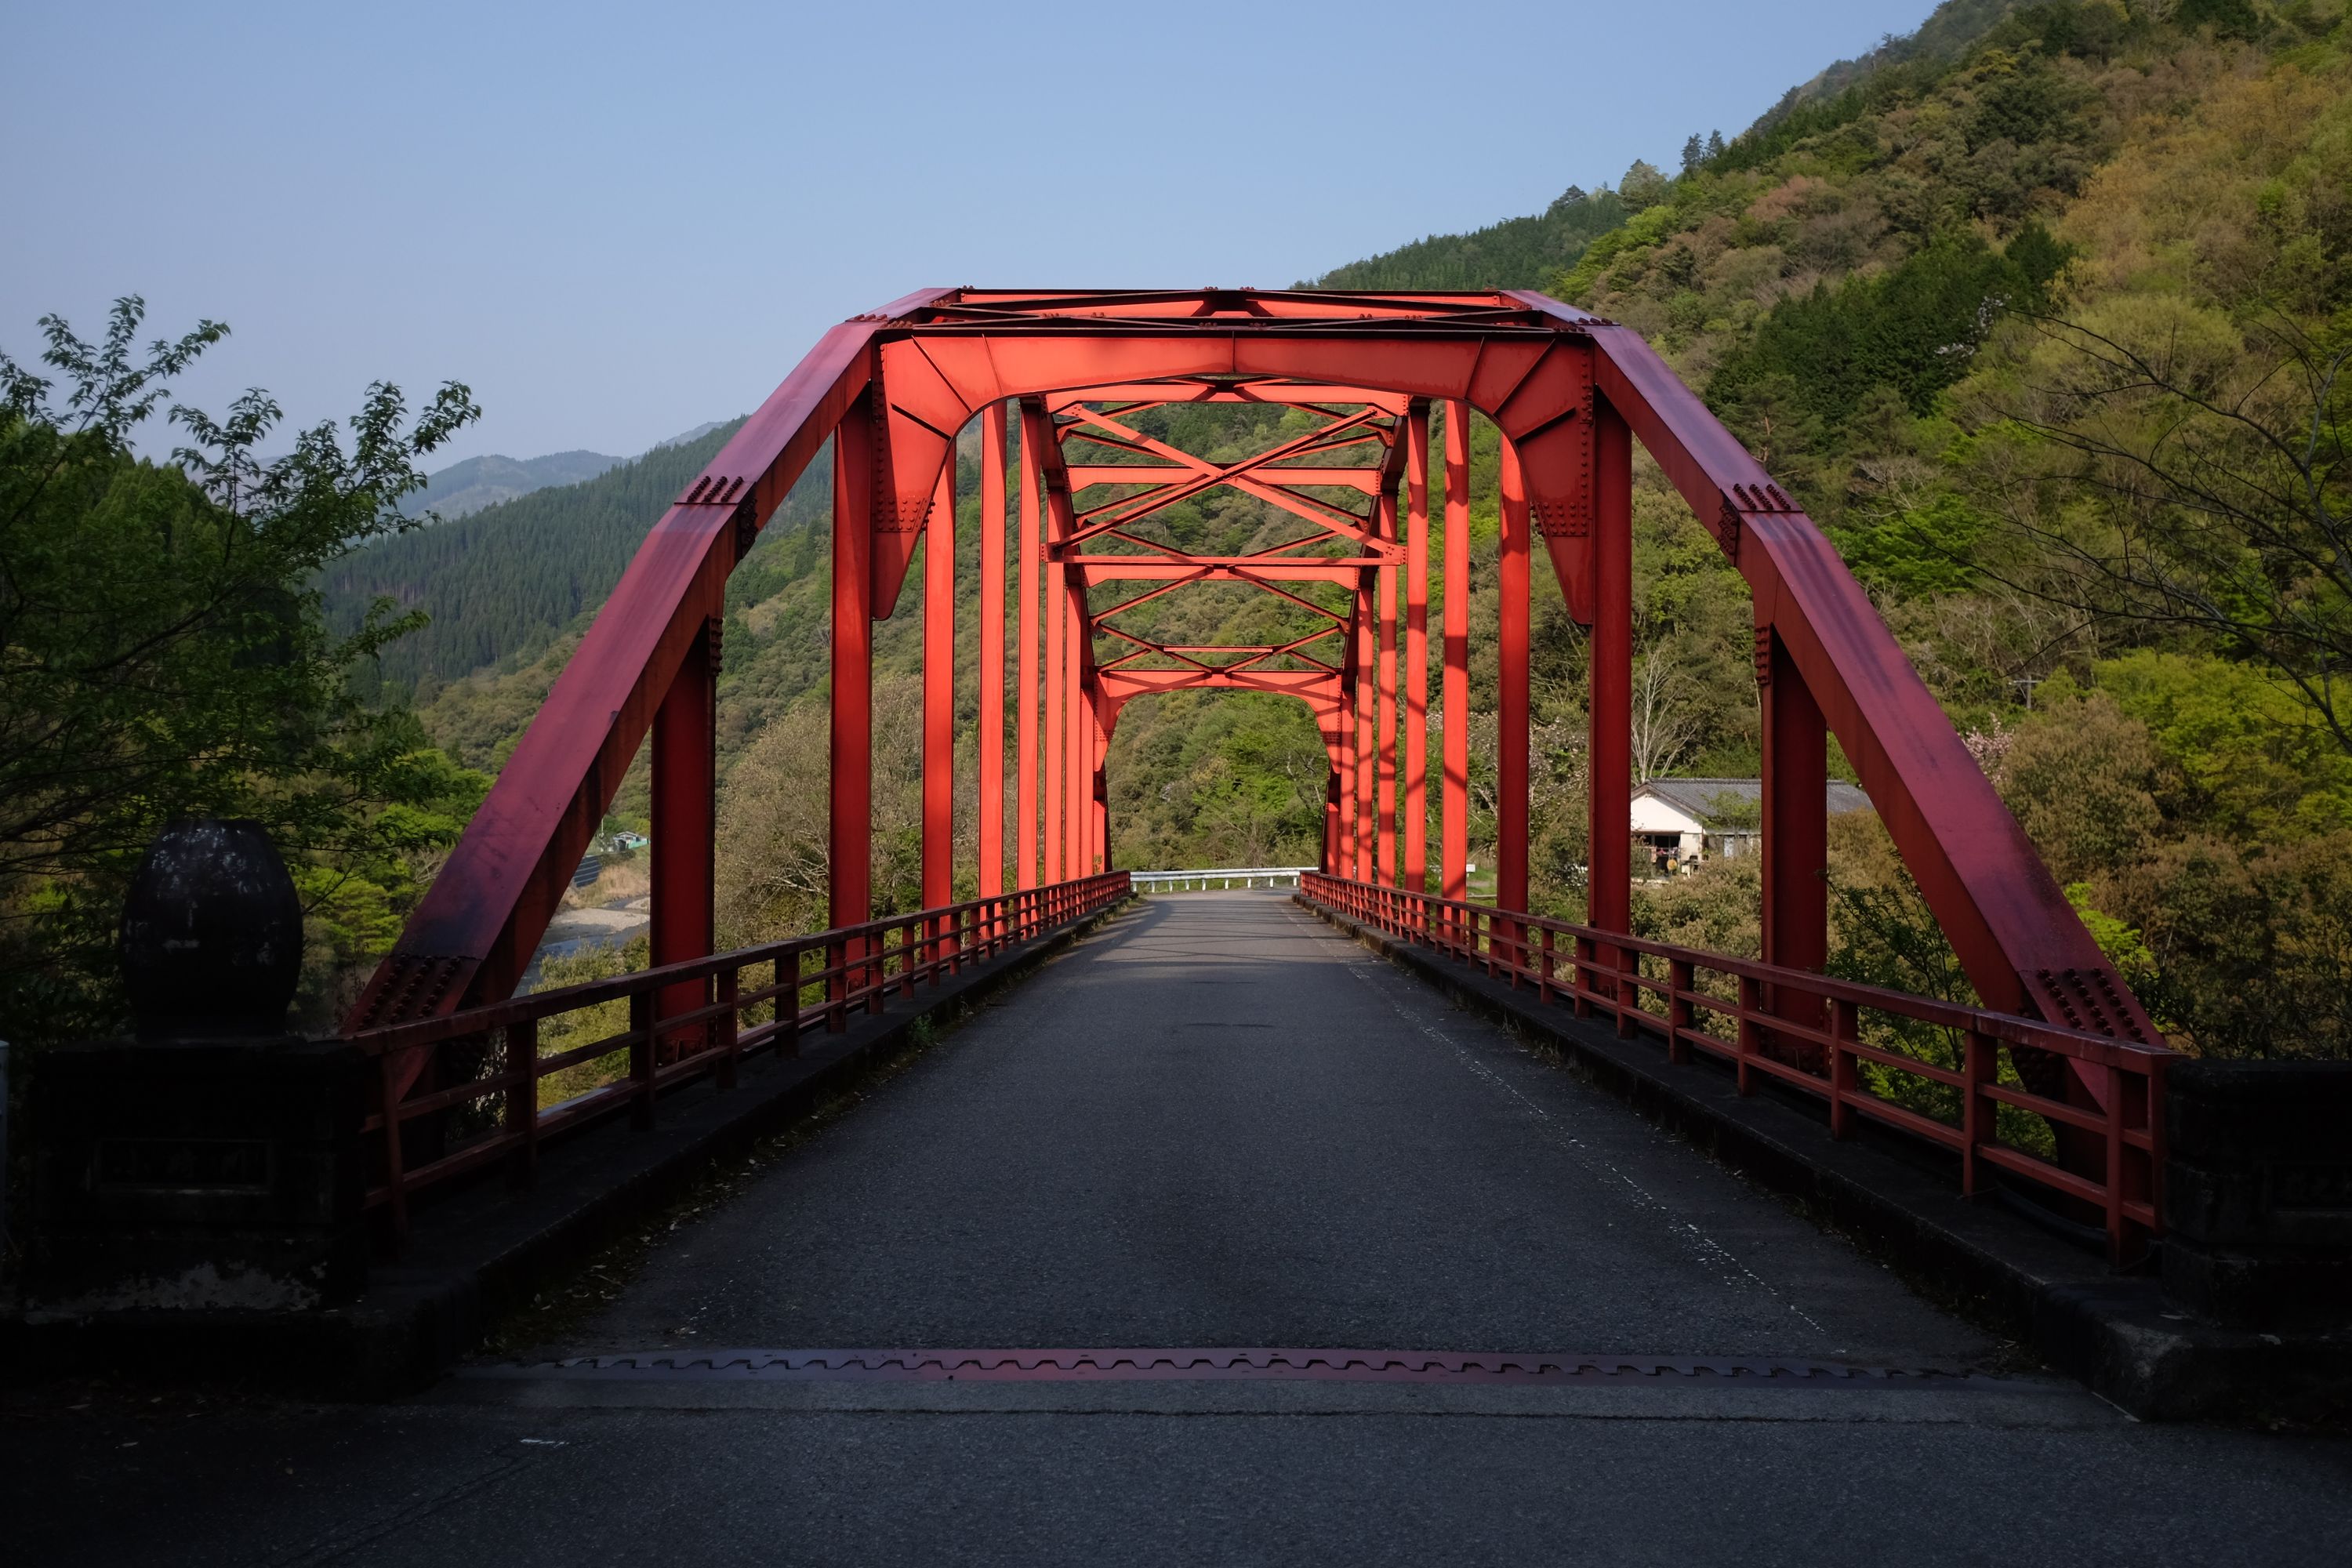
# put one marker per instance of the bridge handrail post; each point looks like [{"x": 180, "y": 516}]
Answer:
[
  {"x": 1751, "y": 1002},
  {"x": 641, "y": 1058},
  {"x": 1629, "y": 990},
  {"x": 522, "y": 1116},
  {"x": 836, "y": 985},
  {"x": 2116, "y": 1224},
  {"x": 1846, "y": 1031},
  {"x": 1979, "y": 1068},
  {"x": 1682, "y": 979},
  {"x": 730, "y": 1024},
  {"x": 395, "y": 1178}
]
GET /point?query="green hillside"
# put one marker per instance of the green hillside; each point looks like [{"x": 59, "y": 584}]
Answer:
[
  {"x": 499, "y": 585},
  {"x": 1517, "y": 253},
  {"x": 1896, "y": 288}
]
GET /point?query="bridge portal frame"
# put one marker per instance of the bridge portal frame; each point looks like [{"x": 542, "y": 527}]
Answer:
[{"x": 1570, "y": 392}]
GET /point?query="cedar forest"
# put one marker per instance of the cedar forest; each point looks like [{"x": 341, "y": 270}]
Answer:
[{"x": 2044, "y": 312}]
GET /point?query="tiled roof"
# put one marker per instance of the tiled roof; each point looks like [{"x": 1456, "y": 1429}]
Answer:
[{"x": 1707, "y": 799}]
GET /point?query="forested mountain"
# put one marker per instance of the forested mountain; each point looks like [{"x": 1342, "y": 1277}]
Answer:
[
  {"x": 1517, "y": 253},
  {"x": 2046, "y": 327},
  {"x": 478, "y": 482},
  {"x": 1958, "y": 294},
  {"x": 499, "y": 585}
]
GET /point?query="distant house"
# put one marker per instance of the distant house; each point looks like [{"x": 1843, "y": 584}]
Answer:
[
  {"x": 1682, "y": 821},
  {"x": 622, "y": 843}
]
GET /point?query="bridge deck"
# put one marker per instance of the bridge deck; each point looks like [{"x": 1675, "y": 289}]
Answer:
[
  {"x": 1216, "y": 1123},
  {"x": 1220, "y": 1123}
]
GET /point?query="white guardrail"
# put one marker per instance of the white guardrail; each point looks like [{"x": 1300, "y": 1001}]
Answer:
[{"x": 1226, "y": 877}]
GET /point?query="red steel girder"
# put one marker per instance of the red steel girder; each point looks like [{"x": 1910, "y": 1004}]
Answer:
[
  {"x": 1536, "y": 384},
  {"x": 1262, "y": 389},
  {"x": 1532, "y": 366},
  {"x": 1206, "y": 475},
  {"x": 2020, "y": 941},
  {"x": 1367, "y": 480},
  {"x": 473, "y": 933}
]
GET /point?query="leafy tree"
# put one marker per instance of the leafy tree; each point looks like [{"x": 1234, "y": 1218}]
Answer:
[
  {"x": 1915, "y": 329},
  {"x": 163, "y": 654},
  {"x": 1643, "y": 186},
  {"x": 2221, "y": 459}
]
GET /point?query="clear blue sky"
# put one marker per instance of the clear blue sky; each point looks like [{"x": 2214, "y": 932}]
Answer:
[{"x": 616, "y": 222}]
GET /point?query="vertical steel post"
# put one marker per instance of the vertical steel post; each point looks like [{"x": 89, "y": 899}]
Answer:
[
  {"x": 1384, "y": 657},
  {"x": 1344, "y": 786},
  {"x": 1098, "y": 787},
  {"x": 684, "y": 777},
  {"x": 1416, "y": 648},
  {"x": 1329, "y": 865},
  {"x": 1609, "y": 808},
  {"x": 850, "y": 829},
  {"x": 1796, "y": 822},
  {"x": 1024, "y": 804},
  {"x": 1057, "y": 708},
  {"x": 1511, "y": 696},
  {"x": 1455, "y": 786},
  {"x": 991, "y": 741},
  {"x": 938, "y": 699},
  {"x": 1078, "y": 736},
  {"x": 1366, "y": 657}
]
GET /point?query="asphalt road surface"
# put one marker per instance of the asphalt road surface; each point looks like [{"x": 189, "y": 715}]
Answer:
[{"x": 1214, "y": 1124}]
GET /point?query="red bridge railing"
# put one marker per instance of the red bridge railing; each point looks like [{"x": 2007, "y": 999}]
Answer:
[
  {"x": 1775, "y": 1013},
  {"x": 685, "y": 1021}
]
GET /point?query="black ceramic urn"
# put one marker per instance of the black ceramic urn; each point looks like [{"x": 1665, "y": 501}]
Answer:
[{"x": 212, "y": 934}]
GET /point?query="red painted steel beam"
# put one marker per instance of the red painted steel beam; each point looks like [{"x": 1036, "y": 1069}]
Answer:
[
  {"x": 991, "y": 739},
  {"x": 1346, "y": 572},
  {"x": 1416, "y": 650},
  {"x": 1453, "y": 774},
  {"x": 1246, "y": 475},
  {"x": 2022, "y": 944},
  {"x": 849, "y": 841},
  {"x": 472, "y": 935},
  {"x": 1512, "y": 635},
  {"x": 1608, "y": 792},
  {"x": 1364, "y": 657},
  {"x": 1086, "y": 307},
  {"x": 685, "y": 783},
  {"x": 938, "y": 696},
  {"x": 1262, "y": 389},
  {"x": 1530, "y": 363},
  {"x": 1033, "y": 438},
  {"x": 1796, "y": 829},
  {"x": 1536, "y": 384},
  {"x": 1099, "y": 811},
  {"x": 1315, "y": 685},
  {"x": 1367, "y": 480},
  {"x": 1057, "y": 708},
  {"x": 1384, "y": 657},
  {"x": 1077, "y": 736}
]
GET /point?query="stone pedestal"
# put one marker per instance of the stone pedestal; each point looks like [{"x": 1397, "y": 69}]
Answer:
[
  {"x": 2258, "y": 1193},
  {"x": 218, "y": 1174}
]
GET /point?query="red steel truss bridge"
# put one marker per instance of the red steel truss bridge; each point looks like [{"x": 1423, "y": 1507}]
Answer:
[{"x": 1077, "y": 548}]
